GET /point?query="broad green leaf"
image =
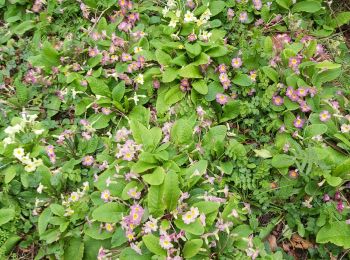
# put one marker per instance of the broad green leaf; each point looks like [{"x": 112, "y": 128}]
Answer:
[
  {"x": 181, "y": 132},
  {"x": 271, "y": 74},
  {"x": 94, "y": 231},
  {"x": 242, "y": 80},
  {"x": 230, "y": 111},
  {"x": 315, "y": 129},
  {"x": 118, "y": 91},
  {"x": 109, "y": 212},
  {"x": 23, "y": 27},
  {"x": 337, "y": 233},
  {"x": 200, "y": 86},
  {"x": 10, "y": 173},
  {"x": 118, "y": 237},
  {"x": 307, "y": 6},
  {"x": 195, "y": 228},
  {"x": 43, "y": 220},
  {"x": 173, "y": 95},
  {"x": 207, "y": 207},
  {"x": 342, "y": 170},
  {"x": 193, "y": 49},
  {"x": 341, "y": 19},
  {"x": 284, "y": 3},
  {"x": 155, "y": 178},
  {"x": 74, "y": 249},
  {"x": 155, "y": 204},
  {"x": 169, "y": 75},
  {"x": 282, "y": 161},
  {"x": 217, "y": 51},
  {"x": 162, "y": 57},
  {"x": 98, "y": 87},
  {"x": 171, "y": 190},
  {"x": 216, "y": 7},
  {"x": 327, "y": 65},
  {"x": 152, "y": 243},
  {"x": 190, "y": 71},
  {"x": 6, "y": 215},
  {"x": 192, "y": 247}
]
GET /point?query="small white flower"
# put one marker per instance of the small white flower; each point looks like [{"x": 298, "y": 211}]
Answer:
[
  {"x": 139, "y": 79},
  {"x": 165, "y": 11},
  {"x": 74, "y": 197},
  {"x": 204, "y": 36},
  {"x": 173, "y": 23},
  {"x": 69, "y": 212},
  {"x": 138, "y": 49},
  {"x": 345, "y": 128},
  {"x": 30, "y": 167},
  {"x": 40, "y": 188},
  {"x": 189, "y": 17},
  {"x": 12, "y": 130},
  {"x": 38, "y": 131},
  {"x": 8, "y": 140},
  {"x": 18, "y": 153}
]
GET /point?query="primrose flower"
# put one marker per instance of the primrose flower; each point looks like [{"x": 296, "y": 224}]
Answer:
[
  {"x": 18, "y": 153},
  {"x": 236, "y": 63},
  {"x": 302, "y": 92},
  {"x": 253, "y": 75},
  {"x": 126, "y": 57},
  {"x": 192, "y": 37},
  {"x": 109, "y": 227},
  {"x": 325, "y": 116},
  {"x": 277, "y": 100},
  {"x": 88, "y": 160},
  {"x": 190, "y": 216},
  {"x": 294, "y": 62},
  {"x": 257, "y": 4},
  {"x": 243, "y": 17},
  {"x": 150, "y": 225},
  {"x": 230, "y": 14},
  {"x": 189, "y": 17},
  {"x": 106, "y": 195},
  {"x": 133, "y": 193},
  {"x": 130, "y": 235},
  {"x": 345, "y": 128},
  {"x": 298, "y": 122},
  {"x": 165, "y": 242},
  {"x": 221, "y": 99},
  {"x": 304, "y": 107},
  {"x": 30, "y": 167},
  {"x": 93, "y": 52},
  {"x": 139, "y": 79},
  {"x": 74, "y": 197},
  {"x": 137, "y": 49}
]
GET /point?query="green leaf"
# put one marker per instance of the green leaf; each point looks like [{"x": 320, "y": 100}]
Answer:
[
  {"x": 242, "y": 80},
  {"x": 190, "y": 71},
  {"x": 44, "y": 220},
  {"x": 216, "y": 7},
  {"x": 341, "y": 19},
  {"x": 268, "y": 45},
  {"x": 271, "y": 74},
  {"x": 193, "y": 49},
  {"x": 22, "y": 92},
  {"x": 94, "y": 231},
  {"x": 181, "y": 132},
  {"x": 169, "y": 75},
  {"x": 327, "y": 65},
  {"x": 230, "y": 111},
  {"x": 155, "y": 178},
  {"x": 195, "y": 228},
  {"x": 337, "y": 233},
  {"x": 343, "y": 169},
  {"x": 74, "y": 249},
  {"x": 217, "y": 51},
  {"x": 207, "y": 207},
  {"x": 171, "y": 190},
  {"x": 10, "y": 173},
  {"x": 307, "y": 6},
  {"x": 173, "y": 95},
  {"x": 315, "y": 129},
  {"x": 98, "y": 87},
  {"x": 118, "y": 237},
  {"x": 284, "y": 3},
  {"x": 23, "y": 27},
  {"x": 155, "y": 204},
  {"x": 263, "y": 153},
  {"x": 200, "y": 86},
  {"x": 110, "y": 212},
  {"x": 326, "y": 76},
  {"x": 163, "y": 58},
  {"x": 282, "y": 161},
  {"x": 192, "y": 247},
  {"x": 57, "y": 209},
  {"x": 152, "y": 243},
  {"x": 118, "y": 91},
  {"x": 6, "y": 215}
]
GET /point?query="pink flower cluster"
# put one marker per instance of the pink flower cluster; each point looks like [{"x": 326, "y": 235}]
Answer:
[
  {"x": 223, "y": 77},
  {"x": 132, "y": 220},
  {"x": 51, "y": 153},
  {"x": 128, "y": 150}
]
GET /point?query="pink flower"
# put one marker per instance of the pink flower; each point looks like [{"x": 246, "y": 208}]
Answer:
[
  {"x": 133, "y": 193},
  {"x": 88, "y": 160},
  {"x": 325, "y": 116},
  {"x": 230, "y": 14},
  {"x": 93, "y": 52},
  {"x": 106, "y": 195},
  {"x": 126, "y": 57},
  {"x": 156, "y": 84},
  {"x": 302, "y": 92},
  {"x": 165, "y": 242},
  {"x": 277, "y": 100},
  {"x": 257, "y": 4},
  {"x": 221, "y": 99},
  {"x": 294, "y": 62},
  {"x": 222, "y": 68},
  {"x": 236, "y": 62},
  {"x": 298, "y": 122},
  {"x": 136, "y": 214},
  {"x": 243, "y": 17}
]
